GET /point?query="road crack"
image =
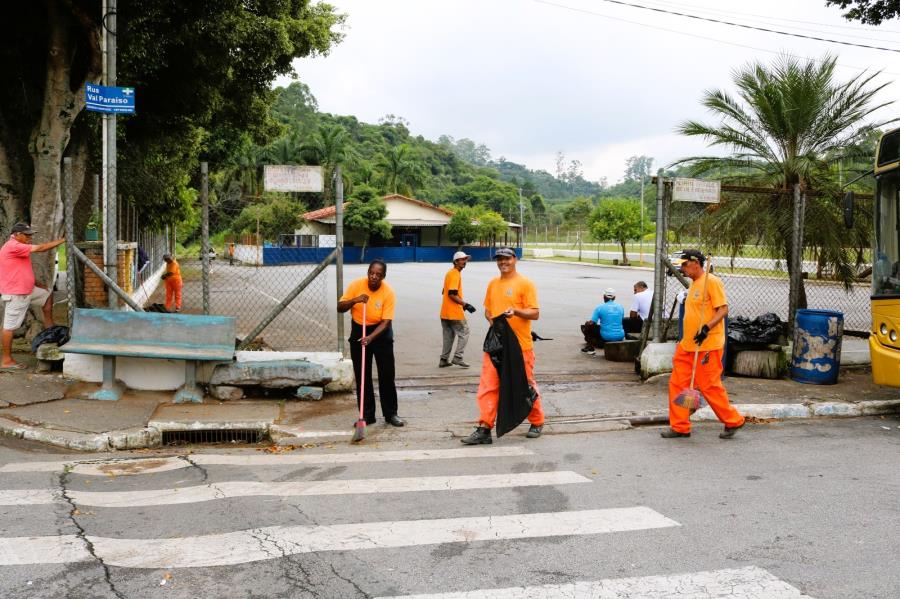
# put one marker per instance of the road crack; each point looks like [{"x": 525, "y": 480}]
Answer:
[{"x": 82, "y": 534}]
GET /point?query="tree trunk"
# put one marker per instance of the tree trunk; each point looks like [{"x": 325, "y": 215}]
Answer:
[
  {"x": 624, "y": 255},
  {"x": 12, "y": 198},
  {"x": 362, "y": 253}
]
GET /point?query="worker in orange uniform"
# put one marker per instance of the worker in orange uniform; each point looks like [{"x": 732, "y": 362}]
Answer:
[
  {"x": 514, "y": 296},
  {"x": 453, "y": 320},
  {"x": 379, "y": 299},
  {"x": 703, "y": 329},
  {"x": 174, "y": 284}
]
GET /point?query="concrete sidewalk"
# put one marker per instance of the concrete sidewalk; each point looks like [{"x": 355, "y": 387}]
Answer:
[{"x": 45, "y": 408}]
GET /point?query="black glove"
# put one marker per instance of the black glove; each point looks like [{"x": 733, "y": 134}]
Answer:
[
  {"x": 701, "y": 335},
  {"x": 469, "y": 308}
]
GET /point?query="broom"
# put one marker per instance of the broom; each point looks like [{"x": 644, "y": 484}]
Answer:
[
  {"x": 691, "y": 398},
  {"x": 359, "y": 428}
]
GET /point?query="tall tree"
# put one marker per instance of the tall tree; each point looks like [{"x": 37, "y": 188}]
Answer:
[
  {"x": 328, "y": 148},
  {"x": 576, "y": 213},
  {"x": 789, "y": 122},
  {"x": 399, "y": 170},
  {"x": 202, "y": 71},
  {"x": 638, "y": 168},
  {"x": 463, "y": 226}
]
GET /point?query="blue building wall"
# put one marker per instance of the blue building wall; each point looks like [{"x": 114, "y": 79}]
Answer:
[{"x": 273, "y": 256}]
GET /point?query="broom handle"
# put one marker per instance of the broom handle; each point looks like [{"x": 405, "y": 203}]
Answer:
[
  {"x": 362, "y": 383},
  {"x": 702, "y": 306}
]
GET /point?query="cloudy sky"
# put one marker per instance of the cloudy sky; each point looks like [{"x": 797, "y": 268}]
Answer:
[{"x": 594, "y": 79}]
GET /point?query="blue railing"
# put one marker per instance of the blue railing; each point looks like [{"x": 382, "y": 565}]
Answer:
[{"x": 273, "y": 256}]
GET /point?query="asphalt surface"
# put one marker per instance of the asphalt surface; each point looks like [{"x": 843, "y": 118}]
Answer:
[{"x": 813, "y": 504}]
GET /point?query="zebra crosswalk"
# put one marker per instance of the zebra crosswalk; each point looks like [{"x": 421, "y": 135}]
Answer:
[{"x": 466, "y": 526}]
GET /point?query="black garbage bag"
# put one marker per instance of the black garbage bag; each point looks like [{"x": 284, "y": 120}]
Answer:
[
  {"x": 156, "y": 308},
  {"x": 57, "y": 334},
  {"x": 761, "y": 331},
  {"x": 516, "y": 396}
]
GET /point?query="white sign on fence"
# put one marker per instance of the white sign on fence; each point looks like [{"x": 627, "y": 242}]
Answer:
[
  {"x": 293, "y": 178},
  {"x": 696, "y": 190}
]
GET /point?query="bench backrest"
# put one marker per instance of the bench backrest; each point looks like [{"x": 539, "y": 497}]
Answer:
[{"x": 152, "y": 335}]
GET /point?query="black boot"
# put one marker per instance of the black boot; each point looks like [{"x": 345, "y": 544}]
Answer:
[{"x": 480, "y": 436}]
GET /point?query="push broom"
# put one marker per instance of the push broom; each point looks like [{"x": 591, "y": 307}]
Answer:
[
  {"x": 691, "y": 398},
  {"x": 359, "y": 429}
]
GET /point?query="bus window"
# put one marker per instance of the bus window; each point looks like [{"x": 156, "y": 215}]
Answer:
[{"x": 885, "y": 275}]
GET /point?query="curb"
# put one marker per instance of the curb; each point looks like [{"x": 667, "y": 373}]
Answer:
[{"x": 150, "y": 436}]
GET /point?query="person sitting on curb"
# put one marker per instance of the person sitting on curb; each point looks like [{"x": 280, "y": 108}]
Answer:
[
  {"x": 18, "y": 290},
  {"x": 640, "y": 308},
  {"x": 605, "y": 324}
]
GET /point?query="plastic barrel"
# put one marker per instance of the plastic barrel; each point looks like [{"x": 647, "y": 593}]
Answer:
[{"x": 816, "y": 356}]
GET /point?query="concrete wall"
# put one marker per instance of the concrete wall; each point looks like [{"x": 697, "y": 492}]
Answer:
[
  {"x": 248, "y": 254},
  {"x": 399, "y": 209}
]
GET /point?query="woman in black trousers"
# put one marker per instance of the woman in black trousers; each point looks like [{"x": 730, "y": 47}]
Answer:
[{"x": 379, "y": 299}]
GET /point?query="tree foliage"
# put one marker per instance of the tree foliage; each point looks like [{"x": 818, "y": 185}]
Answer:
[
  {"x": 790, "y": 123},
  {"x": 870, "y": 12},
  {"x": 463, "y": 226},
  {"x": 490, "y": 226},
  {"x": 576, "y": 213},
  {"x": 617, "y": 220},
  {"x": 276, "y": 215},
  {"x": 365, "y": 214}
]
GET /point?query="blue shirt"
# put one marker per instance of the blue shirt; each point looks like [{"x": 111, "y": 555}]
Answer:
[{"x": 609, "y": 316}]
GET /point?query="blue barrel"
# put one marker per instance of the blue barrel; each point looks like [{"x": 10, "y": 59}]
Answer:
[{"x": 816, "y": 357}]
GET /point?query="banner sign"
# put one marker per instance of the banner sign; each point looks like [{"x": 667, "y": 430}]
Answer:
[
  {"x": 102, "y": 98},
  {"x": 293, "y": 178},
  {"x": 696, "y": 190}
]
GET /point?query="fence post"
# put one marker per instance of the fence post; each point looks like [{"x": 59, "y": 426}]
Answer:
[
  {"x": 68, "y": 210},
  {"x": 796, "y": 254},
  {"x": 339, "y": 247},
  {"x": 204, "y": 233},
  {"x": 659, "y": 271}
]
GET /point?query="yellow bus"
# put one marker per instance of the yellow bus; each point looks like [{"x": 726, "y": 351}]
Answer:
[{"x": 884, "y": 342}]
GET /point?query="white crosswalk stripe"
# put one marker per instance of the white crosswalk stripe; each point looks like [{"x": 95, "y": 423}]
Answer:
[
  {"x": 229, "y": 489},
  {"x": 151, "y": 465},
  {"x": 276, "y": 541},
  {"x": 740, "y": 583}
]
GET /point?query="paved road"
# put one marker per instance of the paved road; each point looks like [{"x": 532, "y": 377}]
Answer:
[
  {"x": 784, "y": 511},
  {"x": 567, "y": 292}
]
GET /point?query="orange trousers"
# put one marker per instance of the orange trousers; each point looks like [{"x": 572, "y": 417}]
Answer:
[
  {"x": 489, "y": 392},
  {"x": 708, "y": 380},
  {"x": 173, "y": 293}
]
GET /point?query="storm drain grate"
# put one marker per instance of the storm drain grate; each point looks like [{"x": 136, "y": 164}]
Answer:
[{"x": 237, "y": 435}]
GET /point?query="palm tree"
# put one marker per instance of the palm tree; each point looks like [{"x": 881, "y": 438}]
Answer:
[
  {"x": 789, "y": 124},
  {"x": 329, "y": 148},
  {"x": 400, "y": 173}
]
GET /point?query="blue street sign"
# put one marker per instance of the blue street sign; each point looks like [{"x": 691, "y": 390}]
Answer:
[{"x": 102, "y": 98}]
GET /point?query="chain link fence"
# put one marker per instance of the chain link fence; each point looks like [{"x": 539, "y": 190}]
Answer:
[{"x": 748, "y": 236}]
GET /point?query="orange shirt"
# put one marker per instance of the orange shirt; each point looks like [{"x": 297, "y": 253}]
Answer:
[
  {"x": 173, "y": 268},
  {"x": 380, "y": 305},
  {"x": 450, "y": 310},
  {"x": 694, "y": 319},
  {"x": 516, "y": 292}
]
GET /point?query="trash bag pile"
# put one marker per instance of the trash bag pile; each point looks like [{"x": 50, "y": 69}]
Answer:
[
  {"x": 761, "y": 331},
  {"x": 57, "y": 334}
]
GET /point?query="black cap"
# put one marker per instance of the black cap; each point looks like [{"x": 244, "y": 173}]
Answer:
[
  {"x": 504, "y": 253},
  {"x": 693, "y": 256},
  {"x": 22, "y": 228}
]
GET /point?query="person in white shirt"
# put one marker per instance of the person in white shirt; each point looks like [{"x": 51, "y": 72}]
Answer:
[{"x": 640, "y": 308}]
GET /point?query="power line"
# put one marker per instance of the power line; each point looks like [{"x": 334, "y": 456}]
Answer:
[
  {"x": 730, "y": 23},
  {"x": 702, "y": 37},
  {"x": 778, "y": 22},
  {"x": 858, "y": 28}
]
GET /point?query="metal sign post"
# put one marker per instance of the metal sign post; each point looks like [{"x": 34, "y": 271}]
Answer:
[{"x": 339, "y": 249}]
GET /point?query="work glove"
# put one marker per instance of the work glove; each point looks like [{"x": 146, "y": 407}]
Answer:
[
  {"x": 701, "y": 335},
  {"x": 469, "y": 308}
]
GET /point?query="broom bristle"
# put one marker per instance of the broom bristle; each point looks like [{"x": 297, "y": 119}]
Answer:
[
  {"x": 359, "y": 431},
  {"x": 689, "y": 398}
]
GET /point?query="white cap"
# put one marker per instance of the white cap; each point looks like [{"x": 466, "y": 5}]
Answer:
[
  {"x": 460, "y": 255},
  {"x": 610, "y": 292}
]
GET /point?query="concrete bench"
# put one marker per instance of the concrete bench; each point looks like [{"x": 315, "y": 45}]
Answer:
[
  {"x": 188, "y": 337},
  {"x": 621, "y": 351}
]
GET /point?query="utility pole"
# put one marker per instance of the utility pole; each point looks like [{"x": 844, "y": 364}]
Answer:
[
  {"x": 110, "y": 229},
  {"x": 642, "y": 220},
  {"x": 339, "y": 247},
  {"x": 521, "y": 218}
]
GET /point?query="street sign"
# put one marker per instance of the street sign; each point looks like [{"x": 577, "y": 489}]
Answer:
[
  {"x": 293, "y": 178},
  {"x": 696, "y": 190},
  {"x": 103, "y": 98}
]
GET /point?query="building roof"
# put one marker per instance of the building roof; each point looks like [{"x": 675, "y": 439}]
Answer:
[{"x": 327, "y": 214}]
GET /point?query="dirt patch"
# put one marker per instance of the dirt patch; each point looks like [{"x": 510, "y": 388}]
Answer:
[{"x": 130, "y": 467}]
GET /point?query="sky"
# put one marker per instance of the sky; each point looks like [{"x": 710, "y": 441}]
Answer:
[{"x": 596, "y": 80}]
